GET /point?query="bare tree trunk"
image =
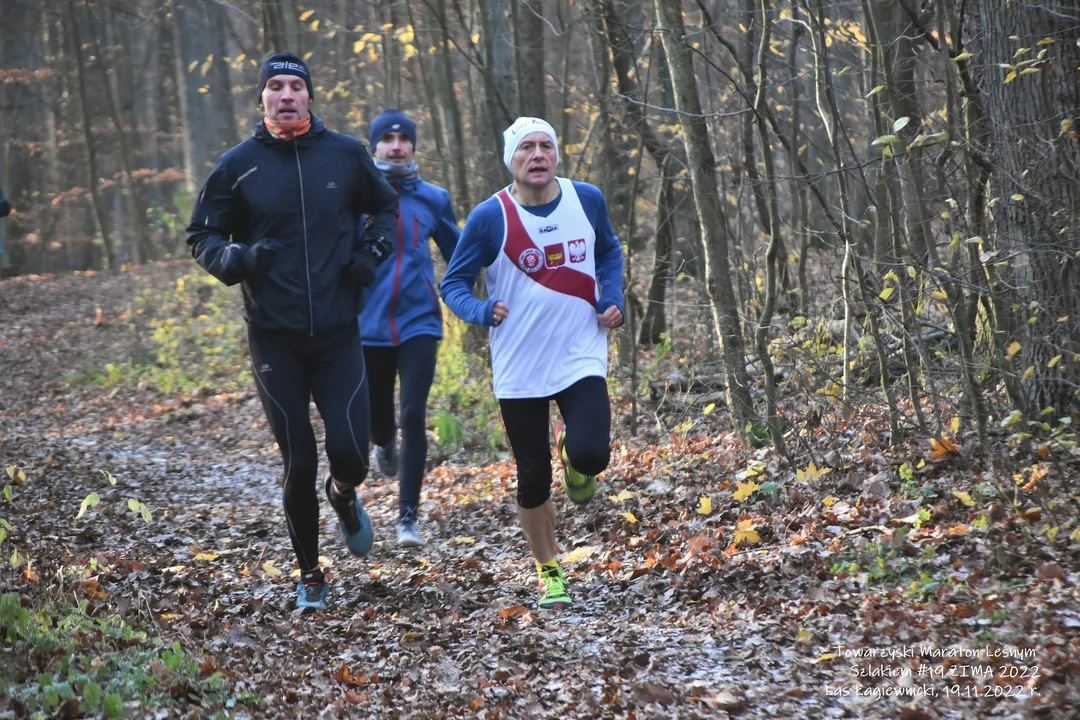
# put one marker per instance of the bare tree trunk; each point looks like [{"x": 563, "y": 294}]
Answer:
[
  {"x": 1038, "y": 180},
  {"x": 91, "y": 150},
  {"x": 776, "y": 430},
  {"x": 702, "y": 166},
  {"x": 445, "y": 83},
  {"x": 529, "y": 40},
  {"x": 137, "y": 204}
]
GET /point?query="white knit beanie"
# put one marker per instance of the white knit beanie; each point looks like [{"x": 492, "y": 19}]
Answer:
[{"x": 521, "y": 127}]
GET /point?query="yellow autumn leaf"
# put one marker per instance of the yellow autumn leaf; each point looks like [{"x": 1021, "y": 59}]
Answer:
[
  {"x": 1021, "y": 52},
  {"x": 1052, "y": 533},
  {"x": 206, "y": 556},
  {"x": 270, "y": 569},
  {"x": 823, "y": 658},
  {"x": 744, "y": 490},
  {"x": 911, "y": 272},
  {"x": 803, "y": 637},
  {"x": 1065, "y": 125},
  {"x": 464, "y": 540},
  {"x": 1053, "y": 361},
  {"x": 708, "y": 408},
  {"x": 811, "y": 472},
  {"x": 829, "y": 501},
  {"x": 578, "y": 554},
  {"x": 629, "y": 517},
  {"x": 955, "y": 424},
  {"x": 1010, "y": 77},
  {"x": 964, "y": 498},
  {"x": 1029, "y": 71},
  {"x": 939, "y": 295},
  {"x": 886, "y": 293},
  {"x": 1046, "y": 41},
  {"x": 744, "y": 531},
  {"x": 358, "y": 47},
  {"x": 1075, "y": 535},
  {"x": 704, "y": 506},
  {"x": 314, "y": 25},
  {"x": 475, "y": 38},
  {"x": 306, "y": 14},
  {"x": 1028, "y": 373},
  {"x": 1016, "y": 197},
  {"x": 622, "y": 496},
  {"x": 755, "y": 469},
  {"x": 1014, "y": 347}
]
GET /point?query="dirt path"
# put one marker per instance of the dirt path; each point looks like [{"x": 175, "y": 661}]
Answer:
[{"x": 670, "y": 618}]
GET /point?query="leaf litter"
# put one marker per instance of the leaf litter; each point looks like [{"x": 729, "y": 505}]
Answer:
[{"x": 728, "y": 587}]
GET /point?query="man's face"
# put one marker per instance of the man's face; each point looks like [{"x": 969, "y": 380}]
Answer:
[
  {"x": 285, "y": 97},
  {"x": 395, "y": 148},
  {"x": 533, "y": 163}
]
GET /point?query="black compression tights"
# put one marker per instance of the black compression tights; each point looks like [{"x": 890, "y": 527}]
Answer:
[
  {"x": 289, "y": 372},
  {"x": 586, "y": 410}
]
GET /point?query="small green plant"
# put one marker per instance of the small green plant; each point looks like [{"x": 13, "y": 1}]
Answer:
[
  {"x": 59, "y": 653},
  {"x": 464, "y": 411},
  {"x": 190, "y": 337}
]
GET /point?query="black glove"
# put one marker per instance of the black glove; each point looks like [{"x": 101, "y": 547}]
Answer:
[
  {"x": 258, "y": 258},
  {"x": 361, "y": 268},
  {"x": 5, "y": 208}
]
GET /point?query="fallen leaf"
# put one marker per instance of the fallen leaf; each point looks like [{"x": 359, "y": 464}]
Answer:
[
  {"x": 629, "y": 517},
  {"x": 624, "y": 495},
  {"x": 207, "y": 556},
  {"x": 941, "y": 449},
  {"x": 270, "y": 569},
  {"x": 704, "y": 506},
  {"x": 578, "y": 554},
  {"x": 745, "y": 490},
  {"x": 964, "y": 498},
  {"x": 744, "y": 531},
  {"x": 463, "y": 540}
]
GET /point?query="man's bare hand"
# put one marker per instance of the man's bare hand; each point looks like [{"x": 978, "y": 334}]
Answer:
[
  {"x": 499, "y": 312},
  {"x": 610, "y": 318}
]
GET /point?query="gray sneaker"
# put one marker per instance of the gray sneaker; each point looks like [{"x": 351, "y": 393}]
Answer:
[
  {"x": 386, "y": 457},
  {"x": 408, "y": 532}
]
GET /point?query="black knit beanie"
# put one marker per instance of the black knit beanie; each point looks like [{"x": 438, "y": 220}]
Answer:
[{"x": 283, "y": 63}]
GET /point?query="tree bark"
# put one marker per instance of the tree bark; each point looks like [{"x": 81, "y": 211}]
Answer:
[{"x": 714, "y": 233}]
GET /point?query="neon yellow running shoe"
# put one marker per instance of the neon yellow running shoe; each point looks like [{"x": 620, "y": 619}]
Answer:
[
  {"x": 553, "y": 587},
  {"x": 579, "y": 487}
]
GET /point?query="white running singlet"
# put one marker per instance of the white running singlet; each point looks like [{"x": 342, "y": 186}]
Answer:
[{"x": 546, "y": 274}]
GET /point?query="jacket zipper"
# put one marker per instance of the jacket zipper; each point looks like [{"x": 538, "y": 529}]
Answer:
[
  {"x": 303, "y": 218},
  {"x": 397, "y": 279}
]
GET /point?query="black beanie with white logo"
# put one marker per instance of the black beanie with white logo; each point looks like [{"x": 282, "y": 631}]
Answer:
[{"x": 283, "y": 63}]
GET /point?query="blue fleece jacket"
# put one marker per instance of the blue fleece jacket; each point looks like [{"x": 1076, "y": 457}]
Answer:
[
  {"x": 482, "y": 238},
  {"x": 402, "y": 303}
]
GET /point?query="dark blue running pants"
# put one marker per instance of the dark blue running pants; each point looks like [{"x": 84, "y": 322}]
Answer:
[{"x": 413, "y": 361}]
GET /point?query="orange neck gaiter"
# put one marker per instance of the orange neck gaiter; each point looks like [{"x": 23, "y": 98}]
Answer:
[{"x": 288, "y": 129}]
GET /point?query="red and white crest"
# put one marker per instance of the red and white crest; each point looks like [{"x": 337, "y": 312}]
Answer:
[
  {"x": 576, "y": 251},
  {"x": 530, "y": 260}
]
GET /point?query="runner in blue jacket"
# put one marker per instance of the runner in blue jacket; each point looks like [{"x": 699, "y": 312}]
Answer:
[
  {"x": 402, "y": 321},
  {"x": 278, "y": 214}
]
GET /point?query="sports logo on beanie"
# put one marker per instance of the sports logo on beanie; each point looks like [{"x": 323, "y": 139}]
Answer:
[
  {"x": 284, "y": 63},
  {"x": 517, "y": 132}
]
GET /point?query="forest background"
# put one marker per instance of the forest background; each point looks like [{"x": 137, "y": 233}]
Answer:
[{"x": 852, "y": 281}]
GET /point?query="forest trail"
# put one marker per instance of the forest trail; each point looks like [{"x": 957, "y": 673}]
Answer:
[{"x": 674, "y": 616}]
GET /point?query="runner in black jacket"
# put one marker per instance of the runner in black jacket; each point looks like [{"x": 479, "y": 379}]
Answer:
[{"x": 279, "y": 214}]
